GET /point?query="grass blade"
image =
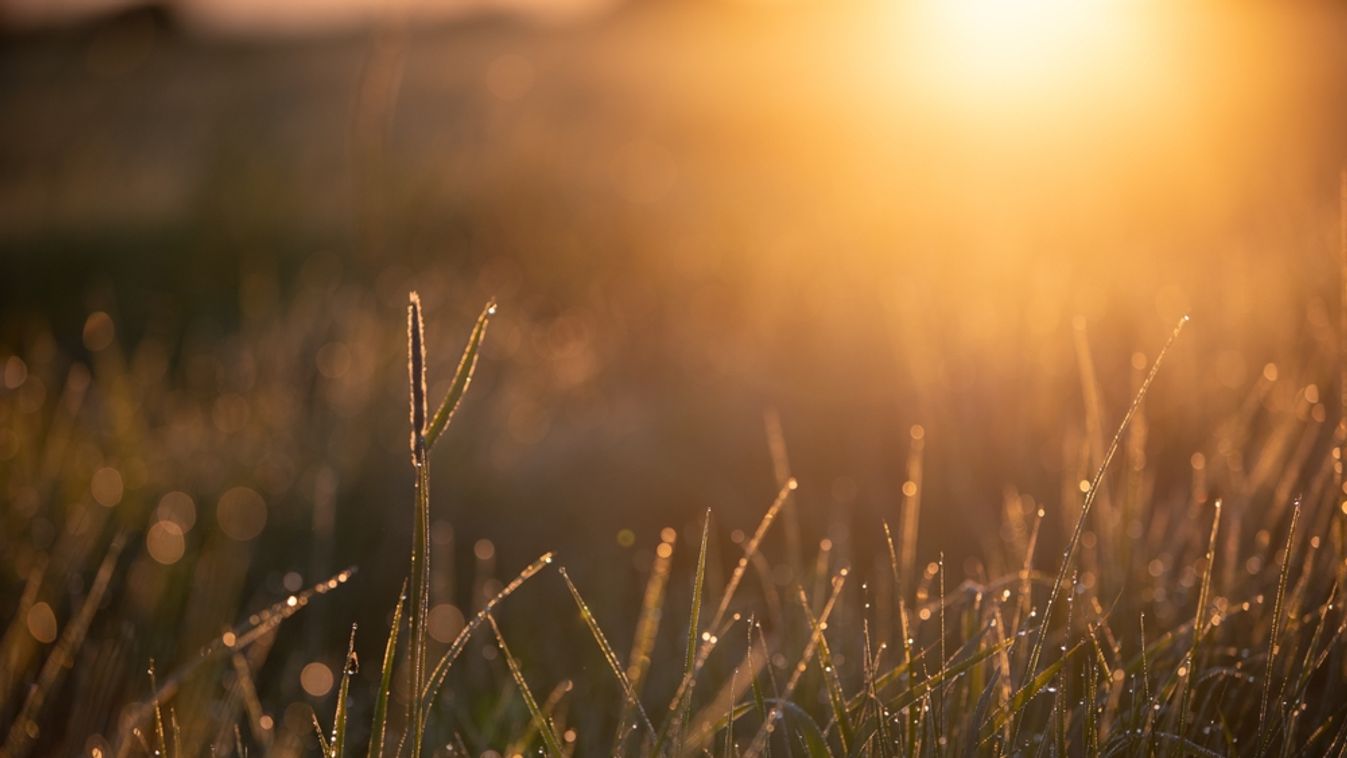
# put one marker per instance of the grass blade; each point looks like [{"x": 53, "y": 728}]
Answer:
[
  {"x": 698, "y": 582},
  {"x": 540, "y": 721},
  {"x": 647, "y": 626},
  {"x": 672, "y": 722},
  {"x": 1027, "y": 693},
  {"x": 161, "y": 742},
  {"x": 436, "y": 678},
  {"x": 379, "y": 726},
  {"x": 834, "y": 685},
  {"x": 1095, "y": 485},
  {"x": 764, "y": 732},
  {"x": 608, "y": 654},
  {"x": 323, "y": 744},
  {"x": 1275, "y": 633},
  {"x": 520, "y": 744},
  {"x": 911, "y": 508},
  {"x": 348, "y": 669},
  {"x": 462, "y": 377},
  {"x": 751, "y": 550},
  {"x": 420, "y": 599},
  {"x": 420, "y": 559},
  {"x": 1198, "y": 629}
]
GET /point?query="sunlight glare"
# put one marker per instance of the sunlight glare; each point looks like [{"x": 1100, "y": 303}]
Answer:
[{"x": 1014, "y": 47}]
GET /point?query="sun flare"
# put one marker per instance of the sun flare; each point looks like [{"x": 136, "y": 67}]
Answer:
[{"x": 1016, "y": 47}]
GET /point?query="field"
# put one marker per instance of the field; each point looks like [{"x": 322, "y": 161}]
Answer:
[{"x": 714, "y": 379}]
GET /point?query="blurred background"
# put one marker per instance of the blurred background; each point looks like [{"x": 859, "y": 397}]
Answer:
[{"x": 862, "y": 222}]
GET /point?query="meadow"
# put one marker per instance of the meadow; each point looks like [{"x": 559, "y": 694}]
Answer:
[
  {"x": 496, "y": 389},
  {"x": 1150, "y": 632}
]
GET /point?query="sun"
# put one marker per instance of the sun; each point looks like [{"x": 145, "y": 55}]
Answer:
[{"x": 1016, "y": 47}]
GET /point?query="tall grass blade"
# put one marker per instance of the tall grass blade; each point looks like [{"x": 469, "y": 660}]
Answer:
[
  {"x": 519, "y": 744},
  {"x": 540, "y": 720},
  {"x": 776, "y": 446},
  {"x": 420, "y": 559},
  {"x": 647, "y": 626},
  {"x": 324, "y": 744},
  {"x": 751, "y": 550},
  {"x": 911, "y": 508},
  {"x": 608, "y": 654},
  {"x": 673, "y": 722},
  {"x": 1027, "y": 693},
  {"x": 834, "y": 685},
  {"x": 161, "y": 741},
  {"x": 1198, "y": 626},
  {"x": 349, "y": 668},
  {"x": 467, "y": 364},
  {"x": 711, "y": 718},
  {"x": 683, "y": 695},
  {"x": 436, "y": 678},
  {"x": 1274, "y": 635},
  {"x": 379, "y": 725},
  {"x": 698, "y": 582},
  {"x": 727, "y": 750},
  {"x": 764, "y": 732},
  {"x": 416, "y": 375},
  {"x": 248, "y": 691},
  {"x": 1095, "y": 485},
  {"x": 420, "y": 601}
]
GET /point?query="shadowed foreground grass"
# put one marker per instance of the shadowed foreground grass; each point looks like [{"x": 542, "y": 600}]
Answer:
[{"x": 1202, "y": 622}]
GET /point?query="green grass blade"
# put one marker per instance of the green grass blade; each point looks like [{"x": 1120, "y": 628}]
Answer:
[
  {"x": 647, "y": 626},
  {"x": 1096, "y": 484},
  {"x": 324, "y": 745},
  {"x": 420, "y": 559},
  {"x": 540, "y": 721},
  {"x": 608, "y": 653},
  {"x": 834, "y": 685},
  {"x": 919, "y": 690},
  {"x": 1027, "y": 693},
  {"x": 519, "y": 745},
  {"x": 348, "y": 669},
  {"x": 462, "y": 377},
  {"x": 379, "y": 726},
  {"x": 760, "y": 740},
  {"x": 161, "y": 744},
  {"x": 436, "y": 678},
  {"x": 697, "y": 584},
  {"x": 420, "y": 601},
  {"x": 1190, "y": 680},
  {"x": 751, "y": 550},
  {"x": 673, "y": 722},
  {"x": 1277, "y": 628}
]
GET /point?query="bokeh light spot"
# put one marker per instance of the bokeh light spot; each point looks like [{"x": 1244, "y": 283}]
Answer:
[
  {"x": 484, "y": 550},
  {"x": 242, "y": 513},
  {"x": 99, "y": 331},
  {"x": 107, "y": 487},
  {"x": 165, "y": 543},
  {"x": 42, "y": 623},
  {"x": 316, "y": 679},
  {"x": 445, "y": 622},
  {"x": 179, "y": 508}
]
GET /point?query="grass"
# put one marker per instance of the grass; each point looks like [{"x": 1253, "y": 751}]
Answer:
[{"x": 1212, "y": 640}]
